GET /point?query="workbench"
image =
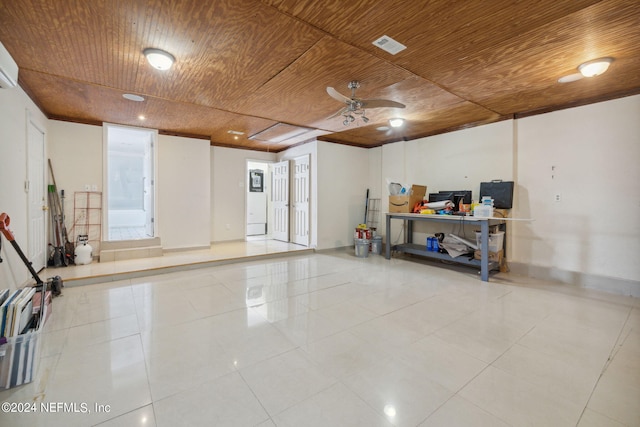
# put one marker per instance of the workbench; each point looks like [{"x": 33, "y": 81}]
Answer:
[{"x": 421, "y": 249}]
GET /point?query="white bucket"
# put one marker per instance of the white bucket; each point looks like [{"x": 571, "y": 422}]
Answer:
[{"x": 362, "y": 248}]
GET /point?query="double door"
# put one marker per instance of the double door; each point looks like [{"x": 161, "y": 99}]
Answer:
[{"x": 291, "y": 187}]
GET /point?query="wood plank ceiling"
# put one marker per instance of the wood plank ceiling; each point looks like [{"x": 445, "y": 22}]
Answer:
[{"x": 262, "y": 67}]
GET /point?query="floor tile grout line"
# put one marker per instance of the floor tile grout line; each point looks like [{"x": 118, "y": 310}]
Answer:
[{"x": 606, "y": 365}]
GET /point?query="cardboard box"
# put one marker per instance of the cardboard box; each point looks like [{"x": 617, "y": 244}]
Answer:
[
  {"x": 405, "y": 203},
  {"x": 493, "y": 256}
]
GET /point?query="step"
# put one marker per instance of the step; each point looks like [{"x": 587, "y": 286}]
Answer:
[
  {"x": 130, "y": 253},
  {"x": 130, "y": 244}
]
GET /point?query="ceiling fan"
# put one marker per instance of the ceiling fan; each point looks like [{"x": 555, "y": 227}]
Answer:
[{"x": 355, "y": 106}]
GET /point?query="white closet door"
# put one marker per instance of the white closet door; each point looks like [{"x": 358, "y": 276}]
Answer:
[
  {"x": 280, "y": 194},
  {"x": 301, "y": 200}
]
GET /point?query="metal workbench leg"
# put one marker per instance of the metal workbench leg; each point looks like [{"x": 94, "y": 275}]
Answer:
[
  {"x": 484, "y": 248},
  {"x": 387, "y": 252}
]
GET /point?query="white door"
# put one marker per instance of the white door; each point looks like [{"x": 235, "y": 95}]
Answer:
[
  {"x": 280, "y": 195},
  {"x": 301, "y": 200},
  {"x": 36, "y": 246}
]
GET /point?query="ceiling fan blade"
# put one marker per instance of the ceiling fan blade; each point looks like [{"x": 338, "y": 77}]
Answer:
[
  {"x": 337, "y": 95},
  {"x": 338, "y": 113},
  {"x": 379, "y": 103}
]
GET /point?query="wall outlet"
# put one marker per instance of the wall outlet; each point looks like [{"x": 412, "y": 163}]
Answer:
[
  {"x": 87, "y": 187},
  {"x": 94, "y": 187},
  {"x": 557, "y": 197}
]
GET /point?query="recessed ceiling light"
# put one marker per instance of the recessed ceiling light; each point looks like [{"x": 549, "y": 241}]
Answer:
[
  {"x": 235, "y": 132},
  {"x": 159, "y": 59},
  {"x": 396, "y": 123},
  {"x": 570, "y": 78},
  {"x": 141, "y": 117},
  {"x": 595, "y": 67},
  {"x": 132, "y": 97}
]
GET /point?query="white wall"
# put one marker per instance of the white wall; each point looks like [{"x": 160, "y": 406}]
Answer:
[
  {"x": 458, "y": 160},
  {"x": 461, "y": 160},
  {"x": 590, "y": 156},
  {"x": 184, "y": 192},
  {"x": 228, "y": 186},
  {"x": 343, "y": 179},
  {"x": 592, "y": 235},
  {"x": 182, "y": 188},
  {"x": 76, "y": 156},
  {"x": 14, "y": 107}
]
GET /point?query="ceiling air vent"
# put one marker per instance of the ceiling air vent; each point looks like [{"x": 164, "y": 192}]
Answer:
[{"x": 388, "y": 44}]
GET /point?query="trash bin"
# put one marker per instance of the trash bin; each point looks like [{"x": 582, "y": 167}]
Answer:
[{"x": 362, "y": 248}]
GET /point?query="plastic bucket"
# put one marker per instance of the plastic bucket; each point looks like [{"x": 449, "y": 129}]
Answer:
[
  {"x": 362, "y": 248},
  {"x": 376, "y": 245},
  {"x": 495, "y": 240}
]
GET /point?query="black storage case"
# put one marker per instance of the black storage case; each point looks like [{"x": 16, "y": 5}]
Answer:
[{"x": 500, "y": 191}]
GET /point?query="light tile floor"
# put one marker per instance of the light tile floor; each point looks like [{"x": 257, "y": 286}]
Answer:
[{"x": 328, "y": 339}]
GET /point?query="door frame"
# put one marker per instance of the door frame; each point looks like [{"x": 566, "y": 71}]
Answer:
[
  {"x": 267, "y": 189},
  {"x": 105, "y": 177},
  {"x": 40, "y": 262}
]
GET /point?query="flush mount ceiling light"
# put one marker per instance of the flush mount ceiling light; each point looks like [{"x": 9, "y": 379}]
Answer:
[
  {"x": 132, "y": 97},
  {"x": 595, "y": 67},
  {"x": 159, "y": 59},
  {"x": 396, "y": 123}
]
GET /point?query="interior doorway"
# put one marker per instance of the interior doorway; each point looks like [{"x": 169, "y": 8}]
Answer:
[
  {"x": 278, "y": 200},
  {"x": 130, "y": 181},
  {"x": 257, "y": 201}
]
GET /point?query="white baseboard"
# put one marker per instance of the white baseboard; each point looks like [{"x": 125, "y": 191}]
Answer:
[{"x": 612, "y": 285}]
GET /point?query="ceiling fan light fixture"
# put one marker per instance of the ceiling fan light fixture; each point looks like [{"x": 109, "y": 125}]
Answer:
[
  {"x": 396, "y": 123},
  {"x": 595, "y": 67},
  {"x": 159, "y": 59}
]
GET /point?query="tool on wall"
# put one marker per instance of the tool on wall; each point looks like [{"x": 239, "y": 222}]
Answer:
[
  {"x": 61, "y": 237},
  {"x": 366, "y": 206},
  {"x": 56, "y": 257}
]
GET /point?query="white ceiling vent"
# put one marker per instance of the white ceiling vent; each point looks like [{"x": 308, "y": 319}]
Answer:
[
  {"x": 8, "y": 69},
  {"x": 388, "y": 44}
]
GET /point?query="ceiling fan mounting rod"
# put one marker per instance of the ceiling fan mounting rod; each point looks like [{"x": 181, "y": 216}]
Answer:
[{"x": 353, "y": 85}]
